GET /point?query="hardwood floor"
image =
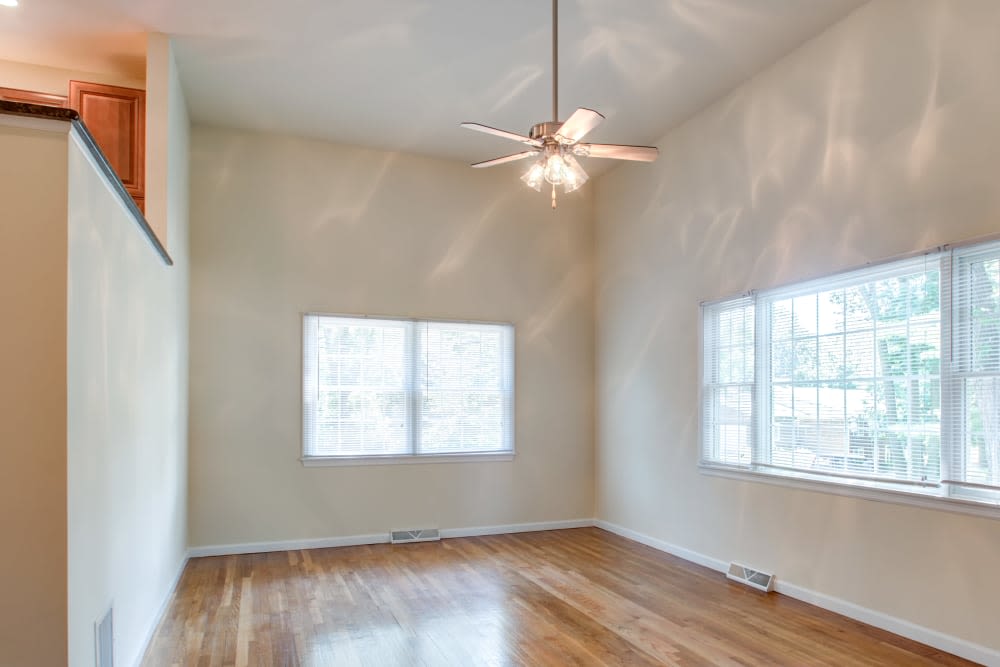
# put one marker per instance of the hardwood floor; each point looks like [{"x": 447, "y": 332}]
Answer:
[{"x": 568, "y": 597}]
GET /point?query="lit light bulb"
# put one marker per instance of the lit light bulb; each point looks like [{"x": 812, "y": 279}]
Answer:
[
  {"x": 8, "y": 3},
  {"x": 555, "y": 170},
  {"x": 556, "y": 167}
]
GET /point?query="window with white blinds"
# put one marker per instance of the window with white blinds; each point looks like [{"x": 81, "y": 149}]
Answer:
[
  {"x": 406, "y": 388},
  {"x": 728, "y": 381},
  {"x": 886, "y": 377},
  {"x": 972, "y": 396}
]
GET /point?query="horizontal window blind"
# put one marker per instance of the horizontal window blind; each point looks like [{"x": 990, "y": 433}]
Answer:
[
  {"x": 387, "y": 387},
  {"x": 853, "y": 383},
  {"x": 357, "y": 374},
  {"x": 728, "y": 381},
  {"x": 887, "y": 375},
  {"x": 973, "y": 396},
  {"x": 465, "y": 387}
]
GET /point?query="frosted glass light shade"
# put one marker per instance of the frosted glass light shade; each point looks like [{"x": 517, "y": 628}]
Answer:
[{"x": 535, "y": 175}]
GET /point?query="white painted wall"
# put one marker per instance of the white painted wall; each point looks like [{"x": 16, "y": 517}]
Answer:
[
  {"x": 127, "y": 379},
  {"x": 281, "y": 226},
  {"x": 33, "y": 393},
  {"x": 876, "y": 138}
]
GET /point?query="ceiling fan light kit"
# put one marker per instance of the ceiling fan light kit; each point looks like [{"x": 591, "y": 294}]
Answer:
[{"x": 556, "y": 144}]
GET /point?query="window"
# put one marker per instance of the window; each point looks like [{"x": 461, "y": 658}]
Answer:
[
  {"x": 386, "y": 388},
  {"x": 884, "y": 378}
]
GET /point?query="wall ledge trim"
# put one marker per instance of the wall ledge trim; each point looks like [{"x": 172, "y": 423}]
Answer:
[
  {"x": 55, "y": 119},
  {"x": 893, "y": 624}
]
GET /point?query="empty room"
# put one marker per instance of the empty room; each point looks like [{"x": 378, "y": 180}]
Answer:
[{"x": 455, "y": 332}]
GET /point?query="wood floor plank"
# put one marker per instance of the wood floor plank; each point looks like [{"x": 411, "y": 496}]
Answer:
[{"x": 570, "y": 597}]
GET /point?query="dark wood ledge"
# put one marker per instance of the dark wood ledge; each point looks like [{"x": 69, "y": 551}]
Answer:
[{"x": 72, "y": 117}]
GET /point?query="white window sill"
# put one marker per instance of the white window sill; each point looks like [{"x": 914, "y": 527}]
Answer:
[
  {"x": 327, "y": 461},
  {"x": 882, "y": 492}
]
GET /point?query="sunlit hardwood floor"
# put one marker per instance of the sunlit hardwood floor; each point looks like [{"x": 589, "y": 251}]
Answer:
[{"x": 568, "y": 597}]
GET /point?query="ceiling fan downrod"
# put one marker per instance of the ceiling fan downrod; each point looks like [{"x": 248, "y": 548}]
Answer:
[
  {"x": 555, "y": 61},
  {"x": 555, "y": 144}
]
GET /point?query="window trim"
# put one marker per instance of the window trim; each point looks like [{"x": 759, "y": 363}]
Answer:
[
  {"x": 942, "y": 495},
  {"x": 878, "y": 491},
  {"x": 308, "y": 461},
  {"x": 403, "y": 459}
]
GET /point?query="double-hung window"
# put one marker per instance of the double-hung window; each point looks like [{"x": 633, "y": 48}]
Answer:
[
  {"x": 385, "y": 389},
  {"x": 884, "y": 378}
]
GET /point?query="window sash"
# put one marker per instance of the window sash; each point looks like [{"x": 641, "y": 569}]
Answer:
[
  {"x": 728, "y": 364},
  {"x": 973, "y": 400},
  {"x": 940, "y": 366},
  {"x": 396, "y": 404}
]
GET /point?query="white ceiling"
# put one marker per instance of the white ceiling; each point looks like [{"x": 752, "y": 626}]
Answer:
[{"x": 402, "y": 74}]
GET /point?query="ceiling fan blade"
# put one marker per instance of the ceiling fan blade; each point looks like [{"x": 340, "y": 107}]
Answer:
[
  {"x": 507, "y": 158},
  {"x": 478, "y": 127},
  {"x": 618, "y": 152},
  {"x": 578, "y": 125}
]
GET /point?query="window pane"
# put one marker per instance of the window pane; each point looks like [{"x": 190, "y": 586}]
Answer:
[
  {"x": 728, "y": 377},
  {"x": 982, "y": 427},
  {"x": 975, "y": 402},
  {"x": 464, "y": 387},
  {"x": 360, "y": 395},
  {"x": 858, "y": 389}
]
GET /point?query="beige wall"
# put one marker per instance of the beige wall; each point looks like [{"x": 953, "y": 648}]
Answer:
[
  {"x": 55, "y": 80},
  {"x": 879, "y": 137},
  {"x": 282, "y": 226},
  {"x": 33, "y": 395},
  {"x": 127, "y": 378},
  {"x": 159, "y": 63}
]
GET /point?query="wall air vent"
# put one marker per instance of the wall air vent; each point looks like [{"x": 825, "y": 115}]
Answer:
[
  {"x": 762, "y": 581},
  {"x": 417, "y": 535}
]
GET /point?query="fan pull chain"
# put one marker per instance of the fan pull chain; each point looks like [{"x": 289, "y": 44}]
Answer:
[{"x": 553, "y": 196}]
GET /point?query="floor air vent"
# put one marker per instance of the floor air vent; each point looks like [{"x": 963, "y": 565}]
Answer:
[
  {"x": 104, "y": 640},
  {"x": 762, "y": 581},
  {"x": 419, "y": 535}
]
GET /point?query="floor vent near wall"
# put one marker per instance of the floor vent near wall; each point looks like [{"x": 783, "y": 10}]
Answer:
[
  {"x": 418, "y": 535},
  {"x": 104, "y": 637},
  {"x": 762, "y": 581}
]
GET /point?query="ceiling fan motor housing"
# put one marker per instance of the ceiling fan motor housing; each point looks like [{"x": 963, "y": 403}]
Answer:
[{"x": 542, "y": 130}]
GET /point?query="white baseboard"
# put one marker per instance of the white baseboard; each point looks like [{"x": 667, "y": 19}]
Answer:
[
  {"x": 898, "y": 626},
  {"x": 517, "y": 528},
  {"x": 287, "y": 545},
  {"x": 672, "y": 549},
  {"x": 378, "y": 538},
  {"x": 155, "y": 623}
]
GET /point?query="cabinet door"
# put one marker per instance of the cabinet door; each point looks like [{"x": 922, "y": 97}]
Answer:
[{"x": 116, "y": 117}]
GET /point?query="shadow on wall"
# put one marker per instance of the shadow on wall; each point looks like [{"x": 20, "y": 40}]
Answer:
[
  {"x": 283, "y": 226},
  {"x": 874, "y": 146}
]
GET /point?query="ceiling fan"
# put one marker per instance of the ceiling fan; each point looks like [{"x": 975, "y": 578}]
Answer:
[{"x": 557, "y": 144}]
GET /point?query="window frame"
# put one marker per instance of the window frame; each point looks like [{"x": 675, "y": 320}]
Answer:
[
  {"x": 412, "y": 457},
  {"x": 963, "y": 496}
]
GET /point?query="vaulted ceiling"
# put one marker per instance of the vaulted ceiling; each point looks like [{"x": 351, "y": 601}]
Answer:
[{"x": 402, "y": 74}]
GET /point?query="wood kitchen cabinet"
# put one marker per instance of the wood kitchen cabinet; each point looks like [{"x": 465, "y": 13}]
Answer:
[{"x": 116, "y": 117}]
